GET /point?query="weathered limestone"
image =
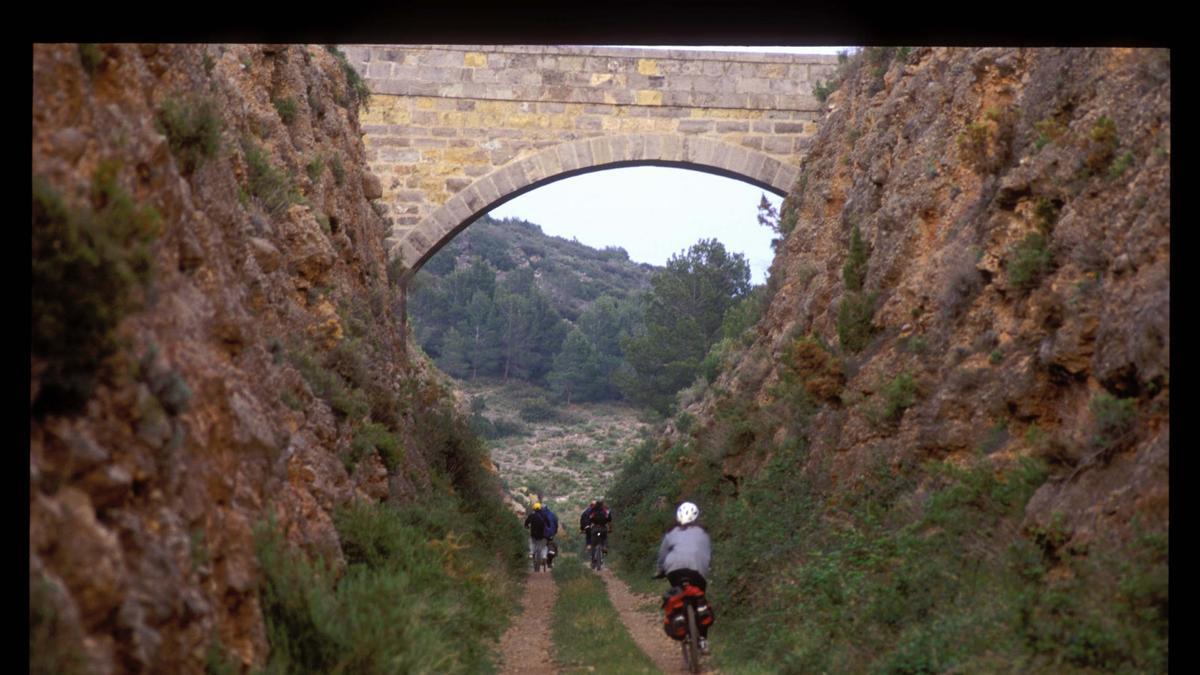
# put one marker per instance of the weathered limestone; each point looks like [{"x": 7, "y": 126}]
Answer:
[{"x": 454, "y": 130}]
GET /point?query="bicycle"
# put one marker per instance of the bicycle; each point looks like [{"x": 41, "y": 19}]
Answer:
[
  {"x": 694, "y": 605},
  {"x": 596, "y": 540},
  {"x": 539, "y": 558},
  {"x": 691, "y": 645}
]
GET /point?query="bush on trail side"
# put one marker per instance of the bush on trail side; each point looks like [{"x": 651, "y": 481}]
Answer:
[
  {"x": 878, "y": 581},
  {"x": 421, "y": 593}
]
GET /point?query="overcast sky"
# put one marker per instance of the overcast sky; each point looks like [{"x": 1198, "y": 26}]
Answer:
[
  {"x": 655, "y": 212},
  {"x": 652, "y": 212}
]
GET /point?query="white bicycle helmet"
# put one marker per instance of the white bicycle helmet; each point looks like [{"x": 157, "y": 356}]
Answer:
[{"x": 687, "y": 513}]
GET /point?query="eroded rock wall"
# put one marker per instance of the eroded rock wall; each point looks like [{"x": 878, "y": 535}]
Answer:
[
  {"x": 143, "y": 505},
  {"x": 947, "y": 160}
]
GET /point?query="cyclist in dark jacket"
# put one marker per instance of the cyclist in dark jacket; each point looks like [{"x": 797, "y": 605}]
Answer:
[
  {"x": 584, "y": 519},
  {"x": 586, "y": 516},
  {"x": 536, "y": 523},
  {"x": 599, "y": 525}
]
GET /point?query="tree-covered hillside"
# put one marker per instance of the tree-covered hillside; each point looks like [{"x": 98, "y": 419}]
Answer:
[
  {"x": 505, "y": 300},
  {"x": 571, "y": 274}
]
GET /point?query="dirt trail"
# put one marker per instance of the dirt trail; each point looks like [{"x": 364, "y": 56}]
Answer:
[
  {"x": 646, "y": 627},
  {"x": 527, "y": 647}
]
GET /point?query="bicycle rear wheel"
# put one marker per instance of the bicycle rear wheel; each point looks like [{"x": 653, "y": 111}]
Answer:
[{"x": 691, "y": 646}]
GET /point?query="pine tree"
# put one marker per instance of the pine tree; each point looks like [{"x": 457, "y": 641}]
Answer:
[
  {"x": 604, "y": 323},
  {"x": 856, "y": 307},
  {"x": 462, "y": 285},
  {"x": 575, "y": 374},
  {"x": 513, "y": 338},
  {"x": 456, "y": 354},
  {"x": 530, "y": 331},
  {"x": 480, "y": 331},
  {"x": 854, "y": 272},
  {"x": 684, "y": 312}
]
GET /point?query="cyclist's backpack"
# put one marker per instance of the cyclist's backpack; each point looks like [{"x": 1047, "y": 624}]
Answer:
[
  {"x": 599, "y": 517},
  {"x": 675, "y": 614}
]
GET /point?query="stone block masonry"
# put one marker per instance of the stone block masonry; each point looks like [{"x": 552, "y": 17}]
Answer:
[{"x": 454, "y": 130}]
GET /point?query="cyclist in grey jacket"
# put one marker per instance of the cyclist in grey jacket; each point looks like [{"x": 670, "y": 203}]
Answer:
[
  {"x": 685, "y": 553},
  {"x": 686, "y": 549}
]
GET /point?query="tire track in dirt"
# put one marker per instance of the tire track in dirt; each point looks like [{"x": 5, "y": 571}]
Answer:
[
  {"x": 527, "y": 647},
  {"x": 646, "y": 627}
]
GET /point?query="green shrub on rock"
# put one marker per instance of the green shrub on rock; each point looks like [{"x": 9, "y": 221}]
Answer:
[
  {"x": 270, "y": 185},
  {"x": 357, "y": 92},
  {"x": 377, "y": 438},
  {"x": 854, "y": 320},
  {"x": 857, "y": 307},
  {"x": 1112, "y": 419},
  {"x": 192, "y": 125},
  {"x": 88, "y": 266},
  {"x": 1029, "y": 260},
  {"x": 286, "y": 107},
  {"x": 90, "y": 56}
]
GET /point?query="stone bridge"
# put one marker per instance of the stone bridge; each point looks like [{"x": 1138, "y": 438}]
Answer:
[{"x": 453, "y": 131}]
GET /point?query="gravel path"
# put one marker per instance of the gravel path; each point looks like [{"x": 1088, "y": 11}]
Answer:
[
  {"x": 646, "y": 627},
  {"x": 527, "y": 647}
]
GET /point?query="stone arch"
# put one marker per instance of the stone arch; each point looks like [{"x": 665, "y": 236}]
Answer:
[{"x": 414, "y": 246}]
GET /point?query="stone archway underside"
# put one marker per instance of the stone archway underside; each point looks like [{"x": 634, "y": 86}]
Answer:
[
  {"x": 417, "y": 244},
  {"x": 454, "y": 130}
]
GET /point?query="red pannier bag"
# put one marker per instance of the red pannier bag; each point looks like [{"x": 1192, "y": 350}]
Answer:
[{"x": 674, "y": 615}]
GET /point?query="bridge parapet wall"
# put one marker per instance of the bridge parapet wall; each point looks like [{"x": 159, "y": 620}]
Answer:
[{"x": 595, "y": 75}]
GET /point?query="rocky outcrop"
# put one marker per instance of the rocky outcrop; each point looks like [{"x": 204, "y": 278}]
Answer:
[
  {"x": 1015, "y": 204},
  {"x": 203, "y": 423}
]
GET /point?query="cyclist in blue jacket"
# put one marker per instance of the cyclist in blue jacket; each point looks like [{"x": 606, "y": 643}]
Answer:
[{"x": 551, "y": 531}]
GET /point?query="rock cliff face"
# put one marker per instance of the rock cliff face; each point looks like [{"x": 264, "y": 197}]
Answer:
[
  {"x": 1015, "y": 210},
  {"x": 213, "y": 413}
]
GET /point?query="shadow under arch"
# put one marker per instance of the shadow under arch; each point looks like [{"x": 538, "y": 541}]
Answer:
[{"x": 414, "y": 246}]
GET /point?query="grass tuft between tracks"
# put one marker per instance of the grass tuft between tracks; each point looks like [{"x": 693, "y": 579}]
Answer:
[{"x": 586, "y": 628}]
